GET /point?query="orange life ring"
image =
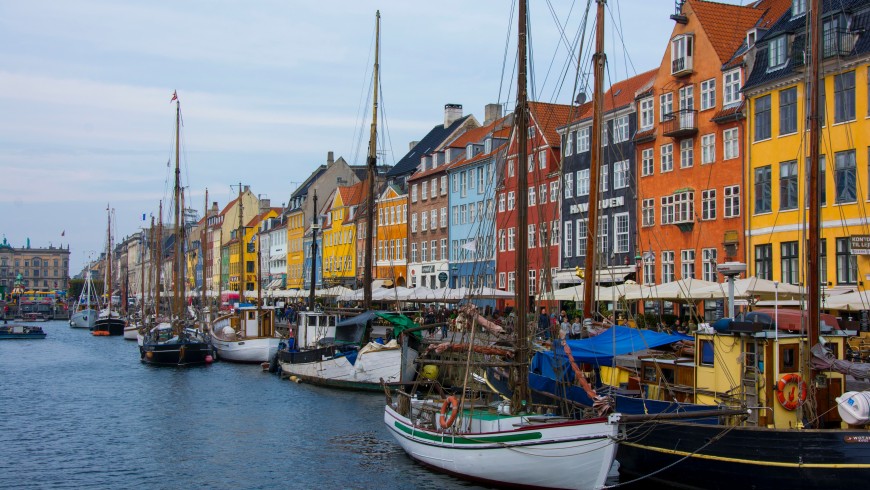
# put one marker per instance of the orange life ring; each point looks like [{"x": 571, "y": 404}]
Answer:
[
  {"x": 447, "y": 421},
  {"x": 794, "y": 400}
]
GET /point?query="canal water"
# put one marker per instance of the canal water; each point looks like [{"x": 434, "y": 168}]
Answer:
[{"x": 78, "y": 411}]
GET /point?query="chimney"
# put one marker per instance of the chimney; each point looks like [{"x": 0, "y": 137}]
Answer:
[
  {"x": 412, "y": 144},
  {"x": 246, "y": 189},
  {"x": 452, "y": 112},
  {"x": 265, "y": 204},
  {"x": 491, "y": 112},
  {"x": 329, "y": 158}
]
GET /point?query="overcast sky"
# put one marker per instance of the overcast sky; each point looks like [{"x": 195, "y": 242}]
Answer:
[{"x": 267, "y": 88}]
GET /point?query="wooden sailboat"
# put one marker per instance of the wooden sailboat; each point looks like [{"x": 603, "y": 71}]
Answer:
[
  {"x": 177, "y": 342},
  {"x": 87, "y": 306},
  {"x": 247, "y": 335},
  {"x": 351, "y": 360},
  {"x": 792, "y": 385},
  {"x": 109, "y": 321},
  {"x": 506, "y": 442}
]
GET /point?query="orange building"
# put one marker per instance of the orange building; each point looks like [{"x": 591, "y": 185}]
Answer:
[
  {"x": 689, "y": 144},
  {"x": 392, "y": 236}
]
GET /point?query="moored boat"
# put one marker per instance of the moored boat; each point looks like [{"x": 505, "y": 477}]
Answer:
[
  {"x": 245, "y": 345},
  {"x": 21, "y": 332}
]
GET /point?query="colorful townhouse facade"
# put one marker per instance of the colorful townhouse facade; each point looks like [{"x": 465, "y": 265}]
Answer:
[
  {"x": 689, "y": 144},
  {"x": 391, "y": 235},
  {"x": 544, "y": 184},
  {"x": 340, "y": 235},
  {"x": 428, "y": 203},
  {"x": 777, "y": 147}
]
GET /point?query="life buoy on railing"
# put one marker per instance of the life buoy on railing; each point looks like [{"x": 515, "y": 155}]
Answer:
[
  {"x": 445, "y": 420},
  {"x": 794, "y": 400}
]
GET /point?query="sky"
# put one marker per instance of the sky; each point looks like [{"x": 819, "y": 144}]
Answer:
[{"x": 267, "y": 88}]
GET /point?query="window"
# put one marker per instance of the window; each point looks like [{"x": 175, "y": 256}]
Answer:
[
  {"x": 667, "y": 209},
  {"x": 502, "y": 280},
  {"x": 681, "y": 54},
  {"x": 532, "y": 282},
  {"x": 413, "y": 252},
  {"x": 480, "y": 185},
  {"x": 788, "y": 111},
  {"x": 732, "y": 201},
  {"x": 847, "y": 264},
  {"x": 620, "y": 129},
  {"x": 569, "y": 241},
  {"x": 472, "y": 209},
  {"x": 456, "y": 183},
  {"x": 844, "y": 176},
  {"x": 647, "y": 118},
  {"x": 542, "y": 159},
  {"x": 687, "y": 264},
  {"x": 732, "y": 146},
  {"x": 798, "y": 7},
  {"x": 667, "y": 266},
  {"x": 776, "y": 52},
  {"x": 444, "y": 217},
  {"x": 512, "y": 281},
  {"x": 648, "y": 212},
  {"x": 511, "y": 168},
  {"x": 708, "y": 148},
  {"x": 414, "y": 222},
  {"x": 687, "y": 97},
  {"x": 687, "y": 153},
  {"x": 731, "y": 84},
  {"x": 542, "y": 230},
  {"x": 667, "y": 157},
  {"x": 532, "y": 235},
  {"x": 764, "y": 261},
  {"x": 844, "y": 97},
  {"x": 542, "y": 193},
  {"x": 583, "y": 140},
  {"x": 424, "y": 191},
  {"x": 511, "y": 200},
  {"x": 666, "y": 105},
  {"x": 569, "y": 185},
  {"x": 414, "y": 193},
  {"x": 434, "y": 189},
  {"x": 434, "y": 246},
  {"x": 708, "y": 94},
  {"x": 646, "y": 160},
  {"x": 554, "y": 191},
  {"x": 708, "y": 266},
  {"x": 604, "y": 134},
  {"x": 620, "y": 174},
  {"x": 762, "y": 118},
  {"x": 603, "y": 178},
  {"x": 512, "y": 238},
  {"x": 684, "y": 207},
  {"x": 443, "y": 185},
  {"x": 789, "y": 262},
  {"x": 788, "y": 185},
  {"x": 424, "y": 251},
  {"x": 583, "y": 182},
  {"x": 708, "y": 204},
  {"x": 424, "y": 221},
  {"x": 531, "y": 162},
  {"x": 762, "y": 190},
  {"x": 603, "y": 234},
  {"x": 554, "y": 240},
  {"x": 532, "y": 196},
  {"x": 463, "y": 184},
  {"x": 501, "y": 240},
  {"x": 649, "y": 268},
  {"x": 582, "y": 232},
  {"x": 822, "y": 187},
  {"x": 823, "y": 261},
  {"x": 569, "y": 143},
  {"x": 620, "y": 225}
]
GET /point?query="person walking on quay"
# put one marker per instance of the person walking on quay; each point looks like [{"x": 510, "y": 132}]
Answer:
[{"x": 544, "y": 323}]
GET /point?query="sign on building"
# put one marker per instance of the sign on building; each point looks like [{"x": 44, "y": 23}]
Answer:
[{"x": 860, "y": 244}]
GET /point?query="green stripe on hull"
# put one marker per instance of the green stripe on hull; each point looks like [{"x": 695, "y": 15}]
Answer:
[{"x": 449, "y": 439}]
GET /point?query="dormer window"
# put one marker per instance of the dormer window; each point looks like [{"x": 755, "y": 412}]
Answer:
[
  {"x": 469, "y": 151},
  {"x": 776, "y": 52},
  {"x": 681, "y": 54},
  {"x": 531, "y": 131},
  {"x": 798, "y": 7},
  {"x": 487, "y": 145}
]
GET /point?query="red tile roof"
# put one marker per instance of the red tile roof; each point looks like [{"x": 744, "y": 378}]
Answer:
[
  {"x": 260, "y": 217},
  {"x": 622, "y": 93},
  {"x": 352, "y": 195},
  {"x": 548, "y": 117},
  {"x": 725, "y": 25}
]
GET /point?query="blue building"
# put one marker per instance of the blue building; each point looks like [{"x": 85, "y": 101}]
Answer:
[{"x": 306, "y": 261}]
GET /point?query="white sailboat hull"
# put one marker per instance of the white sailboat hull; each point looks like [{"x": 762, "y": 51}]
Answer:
[
  {"x": 260, "y": 349},
  {"x": 365, "y": 373},
  {"x": 131, "y": 332},
  {"x": 569, "y": 455},
  {"x": 83, "y": 318}
]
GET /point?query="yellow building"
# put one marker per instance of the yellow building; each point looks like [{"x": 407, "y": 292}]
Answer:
[
  {"x": 222, "y": 228},
  {"x": 248, "y": 272},
  {"x": 339, "y": 235},
  {"x": 392, "y": 236},
  {"x": 777, "y": 148},
  {"x": 295, "y": 252}
]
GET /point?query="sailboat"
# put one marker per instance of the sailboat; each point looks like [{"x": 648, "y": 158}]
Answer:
[
  {"x": 340, "y": 354},
  {"x": 87, "y": 306},
  {"x": 248, "y": 335},
  {"x": 802, "y": 430},
  {"x": 176, "y": 342},
  {"x": 136, "y": 321},
  {"x": 512, "y": 441},
  {"x": 109, "y": 321}
]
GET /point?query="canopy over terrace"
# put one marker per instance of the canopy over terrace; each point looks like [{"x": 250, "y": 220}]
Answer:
[
  {"x": 602, "y": 293},
  {"x": 753, "y": 286},
  {"x": 682, "y": 290}
]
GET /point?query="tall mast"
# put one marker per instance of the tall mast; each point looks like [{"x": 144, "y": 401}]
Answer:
[
  {"x": 814, "y": 231},
  {"x": 159, "y": 261},
  {"x": 521, "y": 388},
  {"x": 142, "y": 274},
  {"x": 240, "y": 235},
  {"x": 202, "y": 235},
  {"x": 108, "y": 285},
  {"x": 259, "y": 284},
  {"x": 314, "y": 227},
  {"x": 177, "y": 286},
  {"x": 598, "y": 61},
  {"x": 372, "y": 167}
]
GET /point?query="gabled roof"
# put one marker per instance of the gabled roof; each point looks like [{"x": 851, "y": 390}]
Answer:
[
  {"x": 462, "y": 161},
  {"x": 622, "y": 93},
  {"x": 499, "y": 128},
  {"x": 352, "y": 195},
  {"x": 548, "y": 117},
  {"x": 226, "y": 208},
  {"x": 303, "y": 188},
  {"x": 725, "y": 25},
  {"x": 260, "y": 217},
  {"x": 435, "y": 138}
]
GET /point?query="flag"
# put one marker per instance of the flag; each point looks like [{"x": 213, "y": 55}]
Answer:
[
  {"x": 168, "y": 161},
  {"x": 143, "y": 216},
  {"x": 471, "y": 245},
  {"x": 63, "y": 233},
  {"x": 174, "y": 96}
]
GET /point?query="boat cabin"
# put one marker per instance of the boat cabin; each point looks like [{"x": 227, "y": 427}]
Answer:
[{"x": 314, "y": 326}]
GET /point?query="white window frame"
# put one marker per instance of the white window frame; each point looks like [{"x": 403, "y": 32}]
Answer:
[
  {"x": 731, "y": 143},
  {"x": 647, "y": 167},
  {"x": 648, "y": 212},
  {"x": 708, "y": 148},
  {"x": 731, "y": 201},
  {"x": 731, "y": 82},
  {"x": 666, "y": 105},
  {"x": 621, "y": 228},
  {"x": 708, "y": 204},
  {"x": 708, "y": 94},
  {"x": 687, "y": 153},
  {"x": 647, "y": 113},
  {"x": 583, "y": 140},
  {"x": 620, "y": 174},
  {"x": 666, "y": 158}
]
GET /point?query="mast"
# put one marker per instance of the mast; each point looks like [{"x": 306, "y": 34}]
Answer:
[
  {"x": 314, "y": 227},
  {"x": 259, "y": 284},
  {"x": 598, "y": 61},
  {"x": 814, "y": 225},
  {"x": 202, "y": 259},
  {"x": 177, "y": 286},
  {"x": 372, "y": 171},
  {"x": 240, "y": 235},
  {"x": 108, "y": 284},
  {"x": 142, "y": 274},
  {"x": 159, "y": 261},
  {"x": 521, "y": 387}
]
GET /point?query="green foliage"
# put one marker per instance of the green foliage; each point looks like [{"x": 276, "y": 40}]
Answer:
[{"x": 76, "y": 286}]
